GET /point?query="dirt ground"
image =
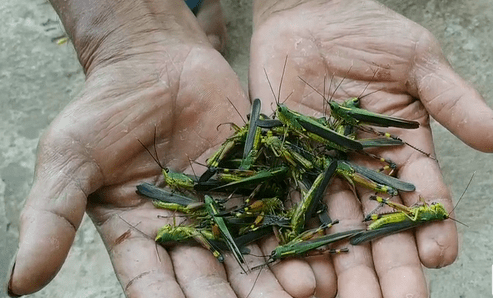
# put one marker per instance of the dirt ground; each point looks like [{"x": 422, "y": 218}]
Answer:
[{"x": 38, "y": 78}]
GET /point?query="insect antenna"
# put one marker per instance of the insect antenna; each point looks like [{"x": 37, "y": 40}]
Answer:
[
  {"x": 256, "y": 279},
  {"x": 456, "y": 220},
  {"x": 244, "y": 122},
  {"x": 363, "y": 96},
  {"x": 374, "y": 74},
  {"x": 199, "y": 163},
  {"x": 173, "y": 216},
  {"x": 191, "y": 166},
  {"x": 155, "y": 158},
  {"x": 340, "y": 83},
  {"x": 282, "y": 77},
  {"x": 323, "y": 99},
  {"x": 141, "y": 232},
  {"x": 270, "y": 85},
  {"x": 469, "y": 183},
  {"x": 289, "y": 95},
  {"x": 313, "y": 88},
  {"x": 278, "y": 98}
]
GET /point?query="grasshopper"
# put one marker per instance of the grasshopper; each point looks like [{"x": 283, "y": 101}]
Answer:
[
  {"x": 309, "y": 127},
  {"x": 252, "y": 142},
  {"x": 297, "y": 248},
  {"x": 174, "y": 180},
  {"x": 213, "y": 210},
  {"x": 168, "y": 234},
  {"x": 311, "y": 199},
  {"x": 405, "y": 218}
]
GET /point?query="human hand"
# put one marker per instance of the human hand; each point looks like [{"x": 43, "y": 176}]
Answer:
[
  {"x": 372, "y": 48},
  {"x": 140, "y": 80}
]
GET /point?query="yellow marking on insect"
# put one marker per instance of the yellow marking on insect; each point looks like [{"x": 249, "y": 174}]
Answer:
[{"x": 62, "y": 40}]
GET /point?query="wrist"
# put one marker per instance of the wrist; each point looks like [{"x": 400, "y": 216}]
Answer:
[{"x": 104, "y": 31}]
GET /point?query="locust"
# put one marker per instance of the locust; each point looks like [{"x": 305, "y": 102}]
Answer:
[
  {"x": 349, "y": 117},
  {"x": 404, "y": 218},
  {"x": 175, "y": 180},
  {"x": 309, "y": 127},
  {"x": 299, "y": 248},
  {"x": 252, "y": 142},
  {"x": 170, "y": 234},
  {"x": 213, "y": 210}
]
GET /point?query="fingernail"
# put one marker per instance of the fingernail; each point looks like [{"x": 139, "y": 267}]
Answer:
[{"x": 9, "y": 277}]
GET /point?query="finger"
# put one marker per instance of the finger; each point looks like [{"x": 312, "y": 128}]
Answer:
[
  {"x": 356, "y": 276},
  {"x": 437, "y": 242},
  {"x": 51, "y": 216},
  {"x": 396, "y": 259},
  {"x": 325, "y": 276},
  {"x": 199, "y": 273},
  {"x": 255, "y": 283},
  {"x": 294, "y": 274},
  {"x": 450, "y": 99},
  {"x": 143, "y": 267}
]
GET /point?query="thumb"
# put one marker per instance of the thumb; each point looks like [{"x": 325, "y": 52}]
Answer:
[
  {"x": 451, "y": 100},
  {"x": 53, "y": 212}
]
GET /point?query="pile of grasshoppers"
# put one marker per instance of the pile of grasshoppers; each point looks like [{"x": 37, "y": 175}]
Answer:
[{"x": 266, "y": 159}]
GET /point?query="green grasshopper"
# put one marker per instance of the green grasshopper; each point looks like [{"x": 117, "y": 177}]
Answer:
[
  {"x": 309, "y": 127},
  {"x": 281, "y": 149},
  {"x": 175, "y": 180},
  {"x": 381, "y": 178},
  {"x": 259, "y": 177},
  {"x": 226, "y": 149},
  {"x": 405, "y": 218},
  {"x": 171, "y": 200},
  {"x": 169, "y": 234},
  {"x": 252, "y": 142},
  {"x": 349, "y": 116},
  {"x": 159, "y": 194},
  {"x": 301, "y": 248},
  {"x": 304, "y": 125},
  {"x": 213, "y": 210},
  {"x": 350, "y": 113},
  {"x": 305, "y": 209},
  {"x": 298, "y": 248},
  {"x": 349, "y": 173}
]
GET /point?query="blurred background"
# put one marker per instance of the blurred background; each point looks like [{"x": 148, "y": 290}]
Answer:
[{"x": 38, "y": 78}]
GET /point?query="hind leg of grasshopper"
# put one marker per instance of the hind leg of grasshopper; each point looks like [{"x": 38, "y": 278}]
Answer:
[{"x": 390, "y": 165}]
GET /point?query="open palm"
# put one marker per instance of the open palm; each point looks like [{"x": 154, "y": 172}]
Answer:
[
  {"x": 352, "y": 49},
  {"x": 91, "y": 159}
]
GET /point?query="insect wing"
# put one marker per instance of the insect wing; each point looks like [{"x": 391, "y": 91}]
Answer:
[
  {"x": 269, "y": 123},
  {"x": 319, "y": 192},
  {"x": 380, "y": 142},
  {"x": 257, "y": 178},
  {"x": 380, "y": 119},
  {"x": 330, "y": 135},
  {"x": 156, "y": 193},
  {"x": 255, "y": 114},
  {"x": 212, "y": 208},
  {"x": 365, "y": 236},
  {"x": 383, "y": 179}
]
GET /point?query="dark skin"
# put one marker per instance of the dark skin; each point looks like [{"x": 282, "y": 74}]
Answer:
[
  {"x": 164, "y": 75},
  {"x": 370, "y": 48}
]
